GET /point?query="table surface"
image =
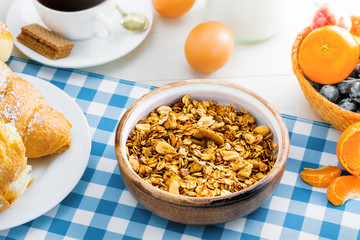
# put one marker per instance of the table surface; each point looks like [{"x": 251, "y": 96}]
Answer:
[
  {"x": 101, "y": 207},
  {"x": 264, "y": 67}
]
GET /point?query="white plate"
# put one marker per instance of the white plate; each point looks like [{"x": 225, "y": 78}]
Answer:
[
  {"x": 86, "y": 53},
  {"x": 55, "y": 176}
]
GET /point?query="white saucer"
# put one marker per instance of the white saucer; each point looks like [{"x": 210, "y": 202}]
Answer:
[{"x": 86, "y": 53}]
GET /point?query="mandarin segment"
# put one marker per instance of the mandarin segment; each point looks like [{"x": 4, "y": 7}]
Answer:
[
  {"x": 321, "y": 177},
  {"x": 348, "y": 149},
  {"x": 343, "y": 188}
]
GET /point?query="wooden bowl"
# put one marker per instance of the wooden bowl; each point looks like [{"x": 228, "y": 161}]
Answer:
[
  {"x": 202, "y": 210},
  {"x": 338, "y": 117}
]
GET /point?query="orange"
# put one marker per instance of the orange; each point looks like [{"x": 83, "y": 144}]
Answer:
[
  {"x": 343, "y": 188},
  {"x": 328, "y": 54},
  {"x": 348, "y": 149},
  {"x": 357, "y": 38},
  {"x": 321, "y": 177},
  {"x": 209, "y": 46},
  {"x": 172, "y": 8}
]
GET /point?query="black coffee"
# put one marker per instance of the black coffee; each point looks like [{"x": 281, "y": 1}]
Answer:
[{"x": 70, "y": 5}]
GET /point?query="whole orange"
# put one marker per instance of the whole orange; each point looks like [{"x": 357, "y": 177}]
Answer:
[
  {"x": 209, "y": 46},
  {"x": 348, "y": 149},
  {"x": 328, "y": 54},
  {"x": 172, "y": 8}
]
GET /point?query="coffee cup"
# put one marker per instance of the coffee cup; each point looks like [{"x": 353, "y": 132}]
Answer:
[{"x": 78, "y": 19}]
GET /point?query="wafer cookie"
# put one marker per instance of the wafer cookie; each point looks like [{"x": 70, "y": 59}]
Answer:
[{"x": 44, "y": 41}]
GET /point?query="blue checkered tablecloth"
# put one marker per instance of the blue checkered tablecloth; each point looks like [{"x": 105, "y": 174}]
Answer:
[{"x": 100, "y": 206}]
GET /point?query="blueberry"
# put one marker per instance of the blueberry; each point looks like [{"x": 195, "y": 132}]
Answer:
[
  {"x": 330, "y": 92},
  {"x": 354, "y": 91},
  {"x": 356, "y": 72},
  {"x": 316, "y": 86},
  {"x": 348, "y": 104},
  {"x": 356, "y": 100},
  {"x": 344, "y": 86}
]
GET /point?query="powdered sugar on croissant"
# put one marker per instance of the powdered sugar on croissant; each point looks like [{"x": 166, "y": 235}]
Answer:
[{"x": 43, "y": 129}]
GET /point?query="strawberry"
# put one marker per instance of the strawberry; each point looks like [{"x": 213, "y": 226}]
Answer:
[{"x": 326, "y": 15}]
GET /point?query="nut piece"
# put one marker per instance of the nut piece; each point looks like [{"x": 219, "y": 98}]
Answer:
[
  {"x": 263, "y": 130},
  {"x": 142, "y": 127},
  {"x": 174, "y": 187},
  {"x": 210, "y": 135},
  {"x": 246, "y": 171},
  {"x": 164, "y": 109},
  {"x": 170, "y": 123},
  {"x": 143, "y": 169},
  {"x": 134, "y": 163},
  {"x": 238, "y": 166},
  {"x": 164, "y": 148},
  {"x": 229, "y": 155},
  {"x": 206, "y": 121}
]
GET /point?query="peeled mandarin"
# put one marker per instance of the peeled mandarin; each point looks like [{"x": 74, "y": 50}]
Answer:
[
  {"x": 321, "y": 177},
  {"x": 348, "y": 149},
  {"x": 342, "y": 189}
]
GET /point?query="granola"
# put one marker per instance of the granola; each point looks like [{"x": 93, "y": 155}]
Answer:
[{"x": 200, "y": 149}]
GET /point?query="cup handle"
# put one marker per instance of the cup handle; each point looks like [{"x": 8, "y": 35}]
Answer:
[{"x": 104, "y": 25}]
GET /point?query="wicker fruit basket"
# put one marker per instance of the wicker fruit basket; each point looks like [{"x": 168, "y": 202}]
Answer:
[{"x": 338, "y": 117}]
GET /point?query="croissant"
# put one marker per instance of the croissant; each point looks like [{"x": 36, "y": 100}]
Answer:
[
  {"x": 43, "y": 129},
  {"x": 14, "y": 171}
]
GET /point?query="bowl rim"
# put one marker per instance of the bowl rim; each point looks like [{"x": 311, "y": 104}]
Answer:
[{"x": 132, "y": 176}]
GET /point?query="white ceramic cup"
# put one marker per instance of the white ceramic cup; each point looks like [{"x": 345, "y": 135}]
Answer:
[
  {"x": 99, "y": 20},
  {"x": 249, "y": 20}
]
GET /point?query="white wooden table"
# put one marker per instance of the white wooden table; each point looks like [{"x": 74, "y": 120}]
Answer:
[{"x": 264, "y": 67}]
